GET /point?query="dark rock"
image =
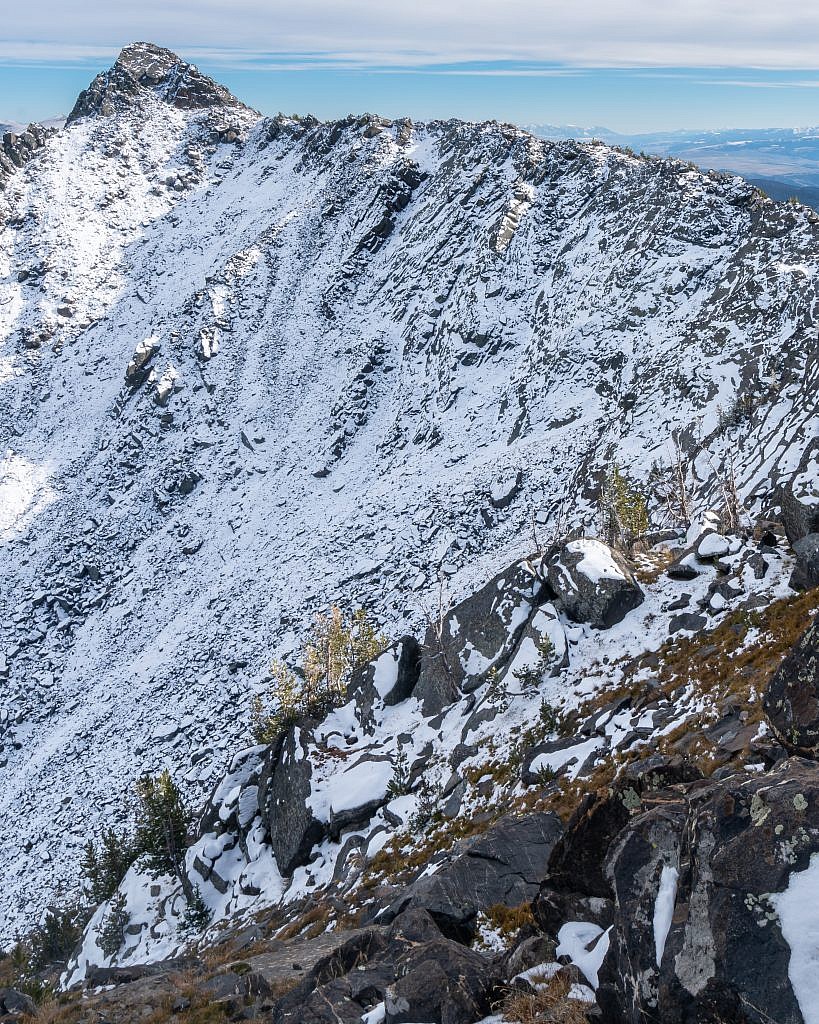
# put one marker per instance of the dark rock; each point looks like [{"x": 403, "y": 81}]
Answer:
[
  {"x": 688, "y": 621},
  {"x": 475, "y": 636},
  {"x": 504, "y": 866},
  {"x": 806, "y": 571},
  {"x": 577, "y": 862},
  {"x": 593, "y": 583},
  {"x": 145, "y": 68},
  {"x": 441, "y": 981},
  {"x": 294, "y": 830},
  {"x": 800, "y": 514},
  {"x": 791, "y": 698},
  {"x": 388, "y": 679},
  {"x": 682, "y": 568},
  {"x": 14, "y": 1002}
]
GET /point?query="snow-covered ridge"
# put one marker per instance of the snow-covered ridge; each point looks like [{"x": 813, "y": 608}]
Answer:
[{"x": 381, "y": 349}]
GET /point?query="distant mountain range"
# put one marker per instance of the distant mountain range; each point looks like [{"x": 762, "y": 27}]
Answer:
[{"x": 783, "y": 162}]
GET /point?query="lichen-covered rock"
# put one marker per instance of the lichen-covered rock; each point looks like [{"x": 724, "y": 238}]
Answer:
[
  {"x": 476, "y": 636},
  {"x": 593, "y": 583},
  {"x": 702, "y": 879},
  {"x": 791, "y": 698}
]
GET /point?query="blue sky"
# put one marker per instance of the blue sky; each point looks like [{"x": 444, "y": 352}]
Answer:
[{"x": 630, "y": 65}]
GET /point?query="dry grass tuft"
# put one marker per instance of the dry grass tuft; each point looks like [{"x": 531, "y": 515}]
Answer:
[{"x": 549, "y": 1005}]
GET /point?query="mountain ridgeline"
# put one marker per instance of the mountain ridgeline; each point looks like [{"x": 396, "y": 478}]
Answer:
[{"x": 254, "y": 367}]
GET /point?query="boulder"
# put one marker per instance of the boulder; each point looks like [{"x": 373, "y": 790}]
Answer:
[
  {"x": 791, "y": 698},
  {"x": 13, "y": 1002},
  {"x": 805, "y": 574},
  {"x": 294, "y": 830},
  {"x": 504, "y": 866},
  {"x": 441, "y": 981},
  {"x": 799, "y": 503},
  {"x": 593, "y": 583},
  {"x": 477, "y": 635},
  {"x": 143, "y": 353}
]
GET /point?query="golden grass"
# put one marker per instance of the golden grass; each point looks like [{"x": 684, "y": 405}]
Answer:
[{"x": 549, "y": 1005}]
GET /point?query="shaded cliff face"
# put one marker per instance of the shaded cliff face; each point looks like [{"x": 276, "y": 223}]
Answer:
[{"x": 251, "y": 366}]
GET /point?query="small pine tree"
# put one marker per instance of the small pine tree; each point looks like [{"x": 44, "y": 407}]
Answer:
[
  {"x": 400, "y": 781},
  {"x": 105, "y": 866},
  {"x": 283, "y": 693},
  {"x": 162, "y": 827},
  {"x": 112, "y": 932},
  {"x": 338, "y": 645},
  {"x": 197, "y": 913},
  {"x": 54, "y": 939}
]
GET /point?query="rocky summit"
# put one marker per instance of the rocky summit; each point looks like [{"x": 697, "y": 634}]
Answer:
[{"x": 433, "y": 511}]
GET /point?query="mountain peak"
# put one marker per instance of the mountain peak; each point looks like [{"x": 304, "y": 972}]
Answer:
[{"x": 144, "y": 68}]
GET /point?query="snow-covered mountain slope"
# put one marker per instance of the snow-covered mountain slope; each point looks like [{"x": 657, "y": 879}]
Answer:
[{"x": 251, "y": 366}]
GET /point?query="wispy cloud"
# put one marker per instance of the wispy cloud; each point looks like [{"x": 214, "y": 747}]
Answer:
[{"x": 425, "y": 34}]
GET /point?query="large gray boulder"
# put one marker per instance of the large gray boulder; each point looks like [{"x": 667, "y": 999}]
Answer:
[
  {"x": 799, "y": 502},
  {"x": 592, "y": 582},
  {"x": 791, "y": 698},
  {"x": 476, "y": 636}
]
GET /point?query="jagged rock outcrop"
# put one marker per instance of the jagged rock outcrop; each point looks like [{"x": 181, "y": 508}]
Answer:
[
  {"x": 387, "y": 680},
  {"x": 503, "y": 867},
  {"x": 479, "y": 635},
  {"x": 294, "y": 829},
  {"x": 17, "y": 150},
  {"x": 144, "y": 67},
  {"x": 791, "y": 699}
]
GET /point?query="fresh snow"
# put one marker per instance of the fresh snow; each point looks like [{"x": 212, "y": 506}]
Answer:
[
  {"x": 536, "y": 305},
  {"x": 596, "y": 563},
  {"x": 798, "y": 910},
  {"x": 574, "y": 940},
  {"x": 664, "y": 908}
]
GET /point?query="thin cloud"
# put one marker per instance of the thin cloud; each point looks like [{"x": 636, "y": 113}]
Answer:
[{"x": 371, "y": 33}]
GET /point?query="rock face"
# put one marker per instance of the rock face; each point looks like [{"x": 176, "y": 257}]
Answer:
[
  {"x": 476, "y": 636},
  {"x": 294, "y": 829},
  {"x": 505, "y": 866},
  {"x": 388, "y": 679},
  {"x": 593, "y": 583},
  {"x": 145, "y": 67},
  {"x": 690, "y": 886},
  {"x": 791, "y": 699},
  {"x": 17, "y": 150},
  {"x": 806, "y": 571}
]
